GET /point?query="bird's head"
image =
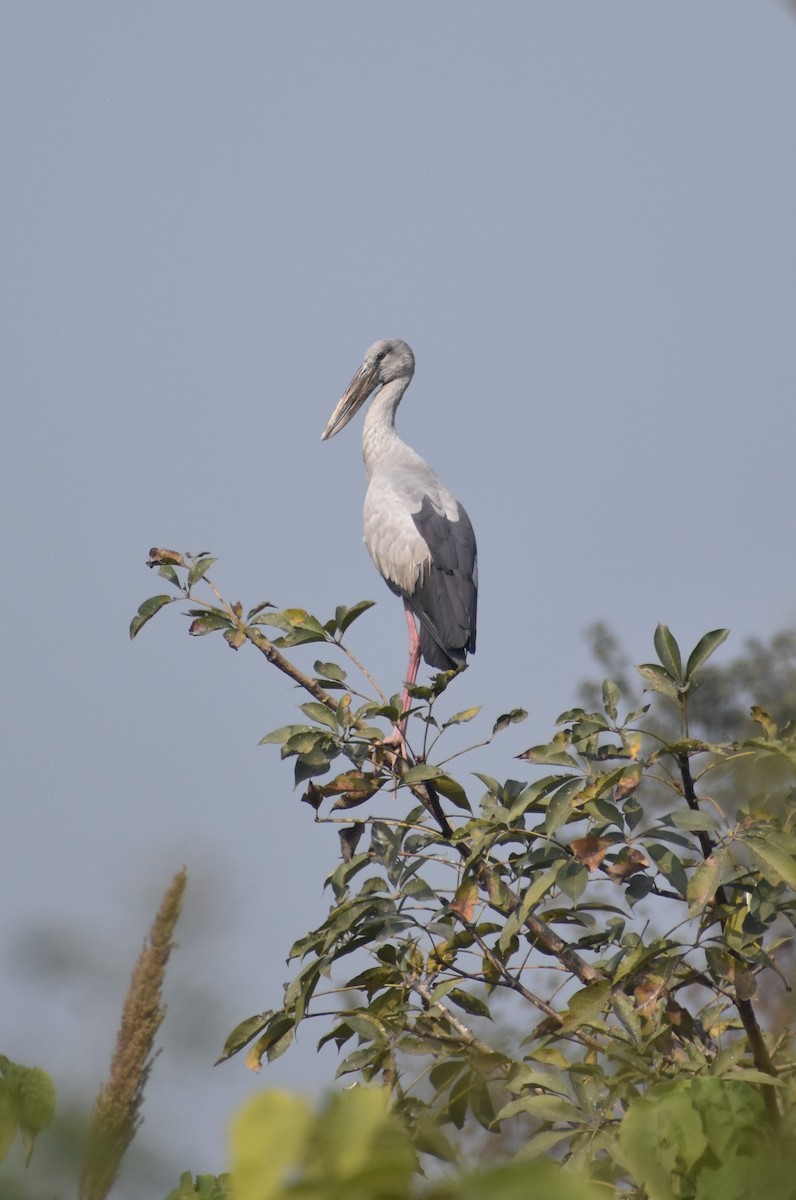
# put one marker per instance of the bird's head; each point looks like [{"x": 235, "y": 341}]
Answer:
[{"x": 384, "y": 362}]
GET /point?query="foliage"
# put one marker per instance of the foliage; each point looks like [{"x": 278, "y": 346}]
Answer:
[
  {"x": 27, "y": 1104},
  {"x": 554, "y": 959},
  {"x": 763, "y": 673}
]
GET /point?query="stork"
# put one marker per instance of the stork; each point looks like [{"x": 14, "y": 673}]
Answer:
[{"x": 416, "y": 531}]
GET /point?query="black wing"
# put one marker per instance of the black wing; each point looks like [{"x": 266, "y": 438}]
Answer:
[{"x": 445, "y": 597}]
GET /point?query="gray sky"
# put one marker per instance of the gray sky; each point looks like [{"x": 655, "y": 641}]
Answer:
[{"x": 581, "y": 217}]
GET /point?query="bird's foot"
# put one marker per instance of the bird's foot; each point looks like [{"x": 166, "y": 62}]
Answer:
[{"x": 395, "y": 747}]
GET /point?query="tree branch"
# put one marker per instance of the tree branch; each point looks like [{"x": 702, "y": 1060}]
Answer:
[{"x": 760, "y": 1055}]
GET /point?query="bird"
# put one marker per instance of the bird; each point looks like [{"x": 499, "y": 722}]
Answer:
[{"x": 416, "y": 531}]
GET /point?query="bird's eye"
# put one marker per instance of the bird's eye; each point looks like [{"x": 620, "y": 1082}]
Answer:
[{"x": 380, "y": 355}]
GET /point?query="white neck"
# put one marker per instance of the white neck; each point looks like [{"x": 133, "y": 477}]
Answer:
[{"x": 379, "y": 433}]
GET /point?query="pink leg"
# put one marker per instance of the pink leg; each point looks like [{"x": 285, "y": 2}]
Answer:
[{"x": 398, "y": 735}]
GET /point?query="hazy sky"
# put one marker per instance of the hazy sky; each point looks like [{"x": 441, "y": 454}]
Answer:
[{"x": 581, "y": 217}]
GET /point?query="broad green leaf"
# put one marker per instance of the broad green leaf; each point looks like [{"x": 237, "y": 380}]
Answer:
[
  {"x": 542, "y": 884},
  {"x": 772, "y": 856},
  {"x": 277, "y": 736},
  {"x": 726, "y": 1060},
  {"x": 258, "y": 608},
  {"x": 298, "y": 624},
  {"x": 561, "y": 806},
  {"x": 693, "y": 820},
  {"x": 470, "y": 1004},
  {"x": 551, "y": 754},
  {"x": 610, "y": 698},
  {"x": 510, "y": 718},
  {"x": 703, "y": 650},
  {"x": 208, "y": 620},
  {"x": 658, "y": 1137},
  {"x": 9, "y": 1124},
  {"x": 347, "y": 616},
  {"x": 625, "y": 1010},
  {"x": 534, "y": 795},
  {"x": 166, "y": 571},
  {"x": 305, "y": 741},
  {"x": 452, "y": 790},
  {"x": 549, "y": 1108},
  {"x": 668, "y": 652},
  {"x": 669, "y": 865},
  {"x": 319, "y": 712},
  {"x": 460, "y": 718},
  {"x": 242, "y": 1034},
  {"x": 146, "y": 612},
  {"x": 572, "y": 878},
  {"x": 539, "y": 1146},
  {"x": 199, "y": 569},
  {"x": 267, "y": 1137},
  {"x": 704, "y": 881},
  {"x": 587, "y": 1004},
  {"x": 421, "y": 773},
  {"x": 658, "y": 680},
  {"x": 330, "y": 670}
]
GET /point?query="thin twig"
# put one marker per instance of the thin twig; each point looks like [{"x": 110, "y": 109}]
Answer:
[{"x": 511, "y": 981}]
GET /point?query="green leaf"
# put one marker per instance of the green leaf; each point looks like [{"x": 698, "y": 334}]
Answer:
[
  {"x": 704, "y": 881},
  {"x": 668, "y": 652},
  {"x": 208, "y": 620},
  {"x": 452, "y": 790},
  {"x": 267, "y": 1136},
  {"x": 460, "y": 718},
  {"x": 283, "y": 734},
  {"x": 166, "y": 571},
  {"x": 693, "y": 820},
  {"x": 146, "y": 612},
  {"x": 540, "y": 886},
  {"x": 330, "y": 670},
  {"x": 772, "y": 856},
  {"x": 347, "y": 616},
  {"x": 625, "y": 1010},
  {"x": 242, "y": 1034},
  {"x": 510, "y": 718},
  {"x": 572, "y": 878},
  {"x": 658, "y": 680},
  {"x": 550, "y": 755},
  {"x": 610, "y": 698},
  {"x": 586, "y": 1005},
  {"x": 258, "y": 608},
  {"x": 299, "y": 626},
  {"x": 657, "y": 1137},
  {"x": 421, "y": 773},
  {"x": 561, "y": 806},
  {"x": 319, "y": 712},
  {"x": 470, "y": 1004},
  {"x": 703, "y": 650},
  {"x": 199, "y": 569},
  {"x": 669, "y": 865},
  {"x": 549, "y": 1108}
]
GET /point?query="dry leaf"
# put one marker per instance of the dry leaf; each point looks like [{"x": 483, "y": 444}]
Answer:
[
  {"x": 465, "y": 900},
  {"x": 349, "y": 840},
  {"x": 627, "y": 863},
  {"x": 590, "y": 850}
]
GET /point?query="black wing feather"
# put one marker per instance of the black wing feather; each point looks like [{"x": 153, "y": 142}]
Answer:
[{"x": 445, "y": 597}]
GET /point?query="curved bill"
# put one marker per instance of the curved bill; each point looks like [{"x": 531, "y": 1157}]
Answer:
[{"x": 355, "y": 396}]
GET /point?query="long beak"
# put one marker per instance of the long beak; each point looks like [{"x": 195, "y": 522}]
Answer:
[{"x": 355, "y": 396}]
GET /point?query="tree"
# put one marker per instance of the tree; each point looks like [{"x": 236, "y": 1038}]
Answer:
[
  {"x": 630, "y": 917},
  {"x": 558, "y": 971}
]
